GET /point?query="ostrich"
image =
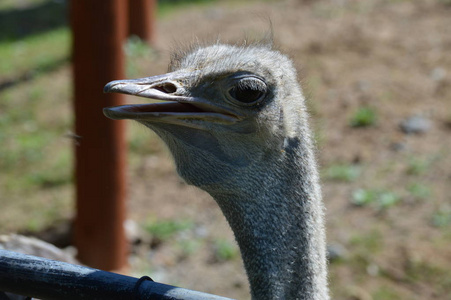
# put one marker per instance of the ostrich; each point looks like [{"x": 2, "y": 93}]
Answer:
[{"x": 235, "y": 121}]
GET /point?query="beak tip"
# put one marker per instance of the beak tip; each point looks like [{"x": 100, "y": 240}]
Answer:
[
  {"x": 109, "y": 113},
  {"x": 106, "y": 111},
  {"x": 108, "y": 88}
]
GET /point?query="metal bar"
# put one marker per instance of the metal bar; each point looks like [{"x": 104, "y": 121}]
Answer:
[
  {"x": 99, "y": 29},
  {"x": 49, "y": 279},
  {"x": 142, "y": 19}
]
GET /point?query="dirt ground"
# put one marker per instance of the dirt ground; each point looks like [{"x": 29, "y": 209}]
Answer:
[{"x": 391, "y": 56}]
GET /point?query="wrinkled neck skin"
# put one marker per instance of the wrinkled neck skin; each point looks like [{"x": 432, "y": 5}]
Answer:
[{"x": 277, "y": 220}]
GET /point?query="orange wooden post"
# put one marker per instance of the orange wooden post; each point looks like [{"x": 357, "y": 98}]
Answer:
[
  {"x": 99, "y": 29},
  {"x": 141, "y": 14}
]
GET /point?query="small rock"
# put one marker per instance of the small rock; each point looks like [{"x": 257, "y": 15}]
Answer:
[
  {"x": 134, "y": 233},
  {"x": 415, "y": 125},
  {"x": 201, "y": 231},
  {"x": 372, "y": 270},
  {"x": 438, "y": 74},
  {"x": 33, "y": 246},
  {"x": 398, "y": 146},
  {"x": 363, "y": 85}
]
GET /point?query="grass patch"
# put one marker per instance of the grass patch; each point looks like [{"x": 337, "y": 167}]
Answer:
[
  {"x": 444, "y": 2},
  {"x": 139, "y": 56},
  {"x": 369, "y": 243},
  {"x": 166, "y": 229},
  {"x": 442, "y": 218},
  {"x": 22, "y": 150},
  {"x": 342, "y": 172},
  {"x": 35, "y": 53},
  {"x": 12, "y": 4},
  {"x": 416, "y": 166},
  {"x": 363, "y": 117},
  {"x": 419, "y": 191},
  {"x": 35, "y": 160},
  {"x": 31, "y": 17},
  {"x": 189, "y": 246},
  {"x": 385, "y": 293},
  {"x": 225, "y": 250},
  {"x": 33, "y": 121},
  {"x": 424, "y": 272},
  {"x": 166, "y": 7},
  {"x": 58, "y": 172},
  {"x": 139, "y": 140},
  {"x": 379, "y": 199},
  {"x": 32, "y": 210},
  {"x": 364, "y": 247}
]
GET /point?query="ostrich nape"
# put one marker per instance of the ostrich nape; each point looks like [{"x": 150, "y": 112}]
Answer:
[{"x": 235, "y": 121}]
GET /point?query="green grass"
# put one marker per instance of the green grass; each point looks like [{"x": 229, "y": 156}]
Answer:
[
  {"x": 33, "y": 122},
  {"x": 60, "y": 174},
  {"x": 444, "y": 2},
  {"x": 426, "y": 272},
  {"x": 224, "y": 250},
  {"x": 342, "y": 172},
  {"x": 365, "y": 246},
  {"x": 417, "y": 166},
  {"x": 442, "y": 217},
  {"x": 35, "y": 53},
  {"x": 370, "y": 242},
  {"x": 385, "y": 293},
  {"x": 189, "y": 246},
  {"x": 12, "y": 4},
  {"x": 363, "y": 117},
  {"x": 378, "y": 199},
  {"x": 166, "y": 229},
  {"x": 139, "y": 56},
  {"x": 35, "y": 157},
  {"x": 419, "y": 191},
  {"x": 166, "y": 7}
]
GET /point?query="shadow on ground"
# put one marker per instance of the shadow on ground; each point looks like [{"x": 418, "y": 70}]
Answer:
[{"x": 20, "y": 23}]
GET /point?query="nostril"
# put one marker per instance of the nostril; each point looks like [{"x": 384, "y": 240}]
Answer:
[{"x": 168, "y": 88}]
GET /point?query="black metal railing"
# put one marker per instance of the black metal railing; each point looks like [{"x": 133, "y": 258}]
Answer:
[{"x": 49, "y": 279}]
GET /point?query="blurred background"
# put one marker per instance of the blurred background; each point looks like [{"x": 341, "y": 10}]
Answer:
[{"x": 377, "y": 76}]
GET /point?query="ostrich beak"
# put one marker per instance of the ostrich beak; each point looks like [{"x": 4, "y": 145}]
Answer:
[{"x": 177, "y": 108}]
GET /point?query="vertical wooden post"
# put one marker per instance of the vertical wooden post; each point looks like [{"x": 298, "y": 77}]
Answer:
[
  {"x": 141, "y": 14},
  {"x": 99, "y": 29}
]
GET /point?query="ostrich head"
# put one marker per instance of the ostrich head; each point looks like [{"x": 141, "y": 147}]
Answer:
[
  {"x": 234, "y": 119},
  {"x": 227, "y": 108}
]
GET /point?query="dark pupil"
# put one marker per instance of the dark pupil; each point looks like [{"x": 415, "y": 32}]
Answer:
[{"x": 245, "y": 94}]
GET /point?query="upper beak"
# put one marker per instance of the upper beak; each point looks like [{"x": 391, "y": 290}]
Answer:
[{"x": 179, "y": 108}]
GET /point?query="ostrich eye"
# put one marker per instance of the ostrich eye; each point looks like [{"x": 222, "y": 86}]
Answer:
[
  {"x": 248, "y": 90},
  {"x": 245, "y": 94}
]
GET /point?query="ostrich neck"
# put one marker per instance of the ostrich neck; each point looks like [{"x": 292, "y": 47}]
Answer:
[{"x": 278, "y": 224}]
